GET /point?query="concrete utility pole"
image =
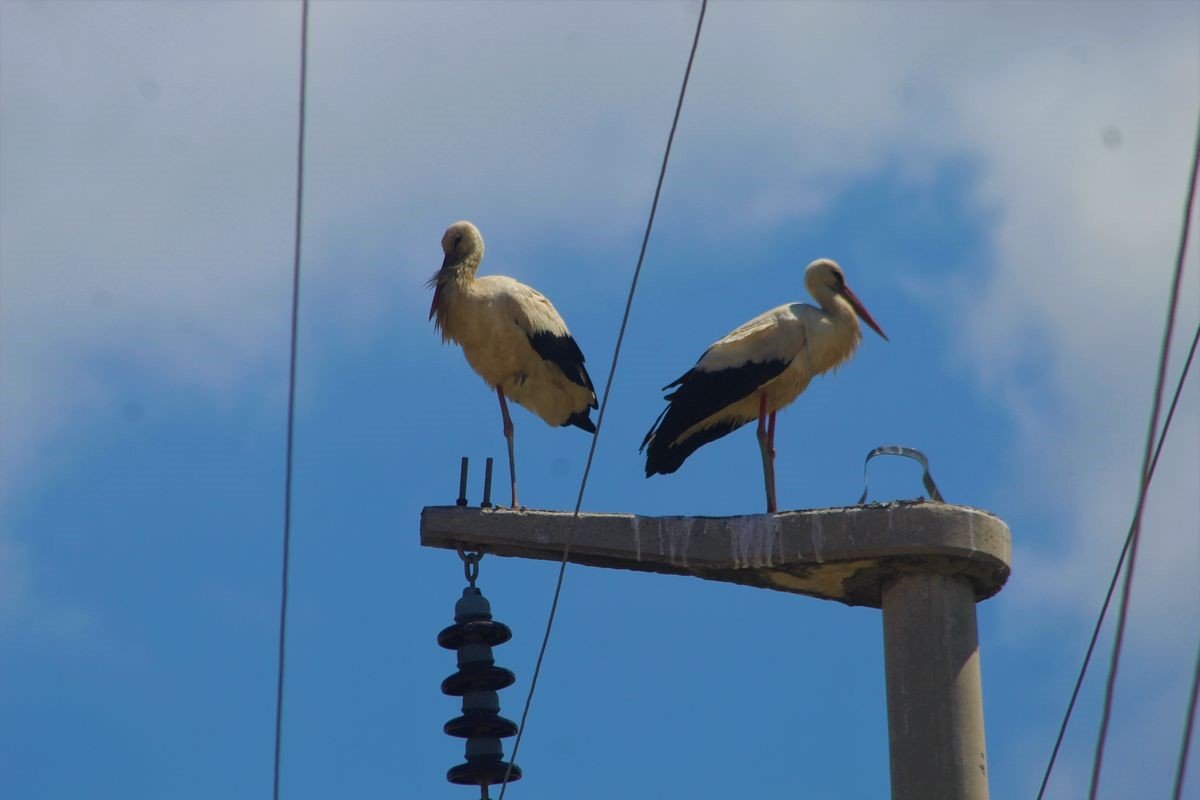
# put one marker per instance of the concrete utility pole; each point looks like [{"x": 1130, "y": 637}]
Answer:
[{"x": 925, "y": 564}]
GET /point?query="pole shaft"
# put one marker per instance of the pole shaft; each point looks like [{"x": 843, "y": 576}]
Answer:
[{"x": 934, "y": 695}]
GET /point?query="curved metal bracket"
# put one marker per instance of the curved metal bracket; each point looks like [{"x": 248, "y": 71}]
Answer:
[{"x": 907, "y": 452}]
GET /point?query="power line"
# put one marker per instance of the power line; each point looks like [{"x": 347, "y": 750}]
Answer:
[
  {"x": 562, "y": 567},
  {"x": 1144, "y": 482},
  {"x": 291, "y": 401},
  {"x": 1112, "y": 584},
  {"x": 1186, "y": 744}
]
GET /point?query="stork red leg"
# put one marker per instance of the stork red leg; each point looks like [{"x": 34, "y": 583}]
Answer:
[
  {"x": 508, "y": 435},
  {"x": 767, "y": 450},
  {"x": 771, "y": 435}
]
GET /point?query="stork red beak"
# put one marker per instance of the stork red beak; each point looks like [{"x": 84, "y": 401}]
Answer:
[{"x": 862, "y": 312}]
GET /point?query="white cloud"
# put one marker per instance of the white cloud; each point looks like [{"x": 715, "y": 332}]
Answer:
[
  {"x": 145, "y": 190},
  {"x": 1068, "y": 323},
  {"x": 147, "y": 218}
]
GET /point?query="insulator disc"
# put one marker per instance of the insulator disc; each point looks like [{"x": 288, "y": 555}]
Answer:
[
  {"x": 482, "y": 773},
  {"x": 476, "y": 680},
  {"x": 484, "y": 631},
  {"x": 484, "y": 725}
]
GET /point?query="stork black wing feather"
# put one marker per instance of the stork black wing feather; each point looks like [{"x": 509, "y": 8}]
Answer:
[
  {"x": 699, "y": 395},
  {"x": 564, "y": 353}
]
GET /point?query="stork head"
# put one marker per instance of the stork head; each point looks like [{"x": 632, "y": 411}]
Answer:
[
  {"x": 463, "y": 246},
  {"x": 825, "y": 280}
]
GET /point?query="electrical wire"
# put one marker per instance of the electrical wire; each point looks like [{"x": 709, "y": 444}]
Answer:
[
  {"x": 1188, "y": 726},
  {"x": 1144, "y": 482},
  {"x": 1112, "y": 584},
  {"x": 291, "y": 401},
  {"x": 562, "y": 567}
]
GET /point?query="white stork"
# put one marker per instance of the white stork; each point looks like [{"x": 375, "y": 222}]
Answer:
[
  {"x": 512, "y": 337},
  {"x": 756, "y": 370}
]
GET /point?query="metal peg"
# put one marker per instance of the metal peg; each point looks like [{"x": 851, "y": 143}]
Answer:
[
  {"x": 487, "y": 485},
  {"x": 462, "y": 484}
]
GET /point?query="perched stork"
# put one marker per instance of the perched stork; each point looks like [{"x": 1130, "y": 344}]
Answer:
[
  {"x": 756, "y": 370},
  {"x": 512, "y": 337}
]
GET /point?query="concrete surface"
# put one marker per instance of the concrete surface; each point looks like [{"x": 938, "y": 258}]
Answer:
[{"x": 843, "y": 554}]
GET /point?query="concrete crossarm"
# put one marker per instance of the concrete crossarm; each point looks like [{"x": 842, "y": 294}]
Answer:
[{"x": 843, "y": 554}]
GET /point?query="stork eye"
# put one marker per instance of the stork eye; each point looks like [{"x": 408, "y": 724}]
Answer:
[{"x": 458, "y": 239}]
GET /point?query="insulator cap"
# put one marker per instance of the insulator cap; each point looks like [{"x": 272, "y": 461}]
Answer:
[
  {"x": 484, "y": 679},
  {"x": 471, "y": 606},
  {"x": 484, "y": 631},
  {"x": 487, "y": 725},
  {"x": 482, "y": 773}
]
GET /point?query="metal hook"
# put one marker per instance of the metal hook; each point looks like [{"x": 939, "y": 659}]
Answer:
[{"x": 470, "y": 563}]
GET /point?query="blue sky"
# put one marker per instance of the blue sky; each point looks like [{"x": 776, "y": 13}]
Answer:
[{"x": 1002, "y": 183}]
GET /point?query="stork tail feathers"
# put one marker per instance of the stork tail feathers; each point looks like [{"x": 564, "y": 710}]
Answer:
[
  {"x": 581, "y": 419},
  {"x": 698, "y": 395},
  {"x": 663, "y": 458}
]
